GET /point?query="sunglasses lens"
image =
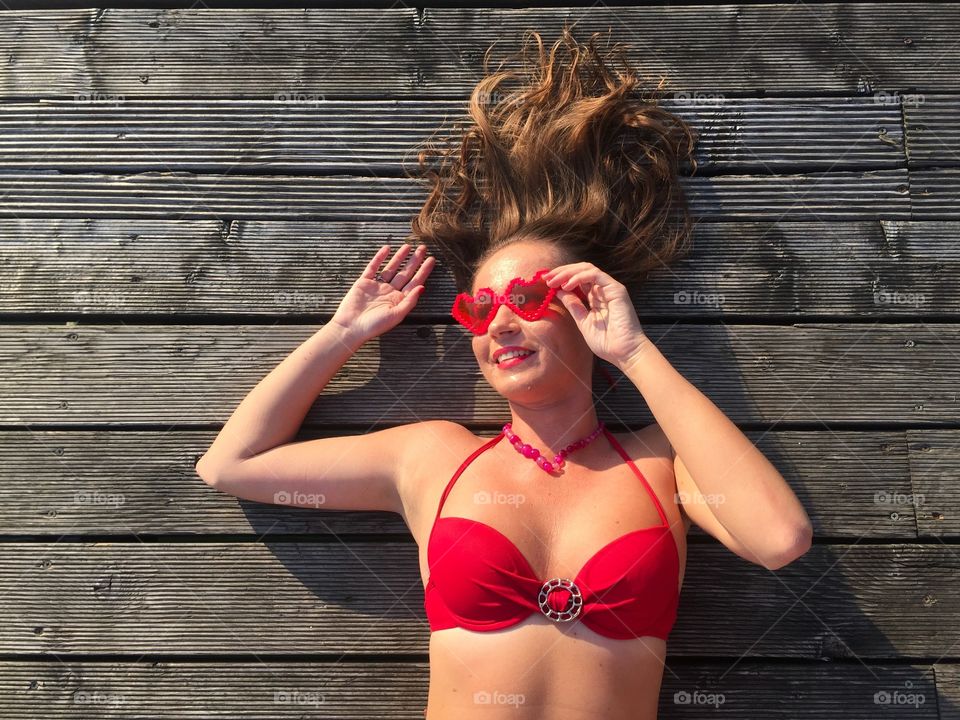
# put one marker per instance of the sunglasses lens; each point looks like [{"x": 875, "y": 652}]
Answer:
[
  {"x": 530, "y": 297},
  {"x": 475, "y": 310}
]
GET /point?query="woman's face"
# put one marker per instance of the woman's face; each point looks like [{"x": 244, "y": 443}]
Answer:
[{"x": 562, "y": 362}]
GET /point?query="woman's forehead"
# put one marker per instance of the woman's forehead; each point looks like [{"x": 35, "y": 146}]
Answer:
[
  {"x": 498, "y": 277},
  {"x": 501, "y": 269}
]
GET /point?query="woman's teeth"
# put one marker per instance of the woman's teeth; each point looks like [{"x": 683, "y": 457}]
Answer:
[{"x": 516, "y": 353}]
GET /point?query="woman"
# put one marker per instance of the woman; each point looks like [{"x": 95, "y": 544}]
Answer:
[{"x": 552, "y": 554}]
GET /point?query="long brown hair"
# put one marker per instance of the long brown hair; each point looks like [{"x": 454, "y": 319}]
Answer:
[{"x": 565, "y": 150}]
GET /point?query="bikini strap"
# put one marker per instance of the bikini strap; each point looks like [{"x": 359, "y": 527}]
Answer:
[
  {"x": 463, "y": 466},
  {"x": 623, "y": 454}
]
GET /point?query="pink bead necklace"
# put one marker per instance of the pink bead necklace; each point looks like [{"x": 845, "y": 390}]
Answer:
[{"x": 558, "y": 459}]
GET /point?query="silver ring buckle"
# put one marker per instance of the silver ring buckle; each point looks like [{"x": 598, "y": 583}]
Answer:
[{"x": 574, "y": 603}]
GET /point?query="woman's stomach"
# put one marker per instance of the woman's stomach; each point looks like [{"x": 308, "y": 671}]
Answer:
[{"x": 545, "y": 670}]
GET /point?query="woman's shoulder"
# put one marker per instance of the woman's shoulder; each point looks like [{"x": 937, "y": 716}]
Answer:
[
  {"x": 445, "y": 430},
  {"x": 451, "y": 429},
  {"x": 647, "y": 442},
  {"x": 442, "y": 445},
  {"x": 438, "y": 443}
]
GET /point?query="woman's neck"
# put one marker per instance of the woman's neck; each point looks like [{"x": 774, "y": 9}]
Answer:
[{"x": 550, "y": 435}]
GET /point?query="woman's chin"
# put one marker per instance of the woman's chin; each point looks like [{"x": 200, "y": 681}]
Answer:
[{"x": 534, "y": 388}]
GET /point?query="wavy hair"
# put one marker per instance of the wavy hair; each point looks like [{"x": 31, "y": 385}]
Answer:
[{"x": 566, "y": 149}]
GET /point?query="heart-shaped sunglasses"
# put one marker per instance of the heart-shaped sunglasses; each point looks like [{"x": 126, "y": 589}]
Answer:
[{"x": 527, "y": 298}]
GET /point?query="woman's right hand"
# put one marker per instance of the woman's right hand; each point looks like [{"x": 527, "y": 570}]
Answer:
[{"x": 372, "y": 307}]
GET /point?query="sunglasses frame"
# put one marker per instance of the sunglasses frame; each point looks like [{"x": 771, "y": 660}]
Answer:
[{"x": 481, "y": 327}]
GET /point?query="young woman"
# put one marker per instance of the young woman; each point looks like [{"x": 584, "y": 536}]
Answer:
[{"x": 553, "y": 554}]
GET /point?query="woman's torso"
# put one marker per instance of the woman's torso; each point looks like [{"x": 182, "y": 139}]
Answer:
[{"x": 539, "y": 668}]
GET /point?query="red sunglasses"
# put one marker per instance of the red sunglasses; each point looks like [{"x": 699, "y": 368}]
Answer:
[{"x": 527, "y": 298}]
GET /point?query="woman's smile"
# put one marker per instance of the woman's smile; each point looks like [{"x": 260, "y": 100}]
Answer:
[{"x": 510, "y": 362}]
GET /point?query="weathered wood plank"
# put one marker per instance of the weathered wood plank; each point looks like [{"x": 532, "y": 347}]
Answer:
[
  {"x": 948, "y": 690},
  {"x": 866, "y": 47},
  {"x": 405, "y": 51},
  {"x": 53, "y": 482},
  {"x": 297, "y": 134},
  {"x": 302, "y": 269},
  {"x": 935, "y": 193},
  {"x": 813, "y": 373},
  {"x": 932, "y": 125},
  {"x": 187, "y": 53},
  {"x": 214, "y": 690},
  {"x": 934, "y": 456},
  {"x": 812, "y": 197},
  {"x": 690, "y": 691},
  {"x": 837, "y": 601}
]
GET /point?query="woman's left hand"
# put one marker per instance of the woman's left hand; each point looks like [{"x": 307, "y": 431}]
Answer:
[{"x": 610, "y": 325}]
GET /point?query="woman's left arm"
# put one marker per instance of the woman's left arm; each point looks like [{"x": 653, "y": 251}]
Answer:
[
  {"x": 750, "y": 508},
  {"x": 724, "y": 483}
]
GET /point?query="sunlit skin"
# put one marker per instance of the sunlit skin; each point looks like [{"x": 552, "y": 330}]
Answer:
[
  {"x": 549, "y": 392},
  {"x": 539, "y": 669}
]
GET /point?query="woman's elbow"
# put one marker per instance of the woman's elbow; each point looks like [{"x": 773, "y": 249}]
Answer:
[
  {"x": 207, "y": 471},
  {"x": 800, "y": 540}
]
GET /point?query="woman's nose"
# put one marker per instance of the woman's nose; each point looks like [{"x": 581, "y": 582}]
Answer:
[{"x": 503, "y": 318}]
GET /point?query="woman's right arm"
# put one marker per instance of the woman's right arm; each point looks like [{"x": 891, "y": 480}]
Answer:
[{"x": 253, "y": 456}]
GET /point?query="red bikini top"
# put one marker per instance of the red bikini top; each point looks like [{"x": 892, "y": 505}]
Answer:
[{"x": 480, "y": 581}]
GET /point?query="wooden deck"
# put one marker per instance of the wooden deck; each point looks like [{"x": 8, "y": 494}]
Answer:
[{"x": 186, "y": 196}]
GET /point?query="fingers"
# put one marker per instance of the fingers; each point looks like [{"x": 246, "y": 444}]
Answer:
[
  {"x": 421, "y": 275},
  {"x": 575, "y": 274},
  {"x": 391, "y": 271},
  {"x": 370, "y": 272},
  {"x": 577, "y": 309},
  {"x": 559, "y": 275},
  {"x": 410, "y": 298}
]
